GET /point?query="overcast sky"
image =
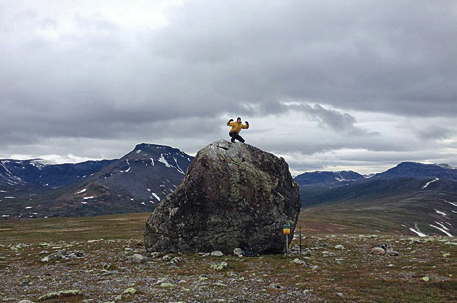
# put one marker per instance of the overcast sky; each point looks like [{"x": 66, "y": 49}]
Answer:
[{"x": 328, "y": 85}]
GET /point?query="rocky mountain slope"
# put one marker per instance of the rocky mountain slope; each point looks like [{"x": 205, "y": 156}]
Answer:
[{"x": 134, "y": 183}]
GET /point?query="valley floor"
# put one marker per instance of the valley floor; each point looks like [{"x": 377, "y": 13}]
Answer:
[{"x": 70, "y": 256}]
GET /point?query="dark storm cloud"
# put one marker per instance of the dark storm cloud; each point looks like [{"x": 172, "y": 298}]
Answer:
[{"x": 362, "y": 55}]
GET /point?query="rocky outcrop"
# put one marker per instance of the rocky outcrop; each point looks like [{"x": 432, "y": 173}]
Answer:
[{"x": 233, "y": 194}]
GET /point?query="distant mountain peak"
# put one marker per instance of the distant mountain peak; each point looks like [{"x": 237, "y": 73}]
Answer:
[{"x": 148, "y": 146}]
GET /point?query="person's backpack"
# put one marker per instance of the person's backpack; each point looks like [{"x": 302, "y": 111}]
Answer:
[{"x": 247, "y": 251}]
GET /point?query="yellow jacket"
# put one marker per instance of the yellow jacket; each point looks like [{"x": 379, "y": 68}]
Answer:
[{"x": 236, "y": 127}]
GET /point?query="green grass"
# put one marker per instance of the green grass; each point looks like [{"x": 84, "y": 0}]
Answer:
[{"x": 123, "y": 226}]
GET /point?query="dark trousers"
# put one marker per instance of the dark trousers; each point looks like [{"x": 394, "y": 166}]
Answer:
[{"x": 234, "y": 136}]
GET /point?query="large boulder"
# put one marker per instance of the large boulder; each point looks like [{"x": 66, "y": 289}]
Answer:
[{"x": 233, "y": 195}]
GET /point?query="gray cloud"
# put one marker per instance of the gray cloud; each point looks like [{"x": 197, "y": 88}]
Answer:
[
  {"x": 77, "y": 74},
  {"x": 333, "y": 119},
  {"x": 435, "y": 132}
]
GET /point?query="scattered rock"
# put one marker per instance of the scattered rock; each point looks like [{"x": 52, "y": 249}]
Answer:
[
  {"x": 167, "y": 285},
  {"x": 219, "y": 267},
  {"x": 445, "y": 255},
  {"x": 220, "y": 284},
  {"x": 339, "y": 246},
  {"x": 137, "y": 258},
  {"x": 308, "y": 252},
  {"x": 156, "y": 254},
  {"x": 383, "y": 249},
  {"x": 378, "y": 251},
  {"x": 175, "y": 261},
  {"x": 64, "y": 255},
  {"x": 426, "y": 279},
  {"x": 167, "y": 257},
  {"x": 217, "y": 253},
  {"x": 327, "y": 254},
  {"x": 274, "y": 286},
  {"x": 298, "y": 261},
  {"x": 60, "y": 294},
  {"x": 26, "y": 301},
  {"x": 129, "y": 291}
]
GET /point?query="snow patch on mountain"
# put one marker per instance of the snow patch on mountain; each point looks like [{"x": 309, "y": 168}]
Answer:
[
  {"x": 40, "y": 163},
  {"x": 178, "y": 168},
  {"x": 417, "y": 231},
  {"x": 82, "y": 191},
  {"x": 430, "y": 182},
  {"x": 442, "y": 230},
  {"x": 452, "y": 203},
  {"x": 442, "y": 226},
  {"x": 164, "y": 161},
  {"x": 440, "y": 212}
]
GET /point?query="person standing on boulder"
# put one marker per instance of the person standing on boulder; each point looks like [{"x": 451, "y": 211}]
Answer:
[{"x": 236, "y": 128}]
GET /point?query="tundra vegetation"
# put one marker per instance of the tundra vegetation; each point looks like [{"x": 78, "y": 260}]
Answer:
[{"x": 102, "y": 259}]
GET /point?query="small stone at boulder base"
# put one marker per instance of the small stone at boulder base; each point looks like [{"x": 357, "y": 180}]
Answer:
[
  {"x": 217, "y": 253},
  {"x": 238, "y": 252},
  {"x": 232, "y": 193}
]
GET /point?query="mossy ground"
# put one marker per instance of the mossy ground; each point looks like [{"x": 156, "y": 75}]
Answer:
[{"x": 424, "y": 271}]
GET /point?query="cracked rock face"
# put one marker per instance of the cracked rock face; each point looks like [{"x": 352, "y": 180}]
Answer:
[{"x": 233, "y": 194}]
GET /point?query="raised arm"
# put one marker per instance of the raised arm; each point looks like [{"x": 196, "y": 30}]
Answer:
[{"x": 229, "y": 121}]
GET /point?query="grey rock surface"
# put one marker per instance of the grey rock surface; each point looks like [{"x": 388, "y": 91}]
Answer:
[{"x": 232, "y": 194}]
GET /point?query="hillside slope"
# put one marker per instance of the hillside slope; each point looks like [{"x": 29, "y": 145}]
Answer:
[{"x": 419, "y": 199}]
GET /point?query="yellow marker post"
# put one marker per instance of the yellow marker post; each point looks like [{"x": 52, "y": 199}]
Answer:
[{"x": 286, "y": 231}]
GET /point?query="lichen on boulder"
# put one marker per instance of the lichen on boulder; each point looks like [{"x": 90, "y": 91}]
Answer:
[{"x": 233, "y": 195}]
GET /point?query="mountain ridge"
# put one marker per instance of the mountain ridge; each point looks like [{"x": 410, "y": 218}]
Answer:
[
  {"x": 134, "y": 183},
  {"x": 409, "y": 196}
]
